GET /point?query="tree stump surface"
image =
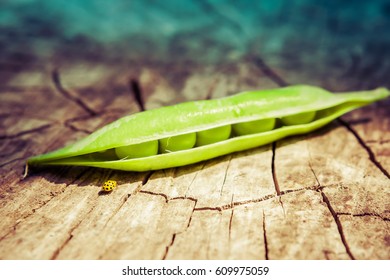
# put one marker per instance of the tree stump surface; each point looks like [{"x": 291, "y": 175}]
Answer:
[{"x": 324, "y": 195}]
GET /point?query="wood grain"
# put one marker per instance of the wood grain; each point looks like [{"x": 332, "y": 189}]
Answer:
[{"x": 324, "y": 195}]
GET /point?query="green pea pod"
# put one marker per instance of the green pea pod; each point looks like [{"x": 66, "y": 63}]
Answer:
[{"x": 191, "y": 132}]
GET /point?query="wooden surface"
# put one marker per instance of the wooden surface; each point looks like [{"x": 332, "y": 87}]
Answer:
[{"x": 324, "y": 195}]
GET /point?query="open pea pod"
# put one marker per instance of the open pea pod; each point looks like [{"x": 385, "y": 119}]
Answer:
[{"x": 195, "y": 131}]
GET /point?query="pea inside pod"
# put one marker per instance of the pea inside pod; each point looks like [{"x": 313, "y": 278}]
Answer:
[
  {"x": 194, "y": 131},
  {"x": 213, "y": 135},
  {"x": 177, "y": 143},
  {"x": 145, "y": 149},
  {"x": 253, "y": 127}
]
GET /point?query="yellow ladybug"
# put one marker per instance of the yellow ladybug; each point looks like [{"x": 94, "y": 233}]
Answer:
[{"x": 109, "y": 185}]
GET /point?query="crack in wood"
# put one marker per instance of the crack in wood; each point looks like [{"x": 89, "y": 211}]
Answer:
[
  {"x": 315, "y": 175},
  {"x": 135, "y": 88},
  {"x": 136, "y": 191},
  {"x": 25, "y": 132},
  {"x": 12, "y": 161},
  {"x": 76, "y": 129},
  {"x": 383, "y": 141},
  {"x": 282, "y": 205},
  {"x": 225, "y": 175},
  {"x": 209, "y": 208},
  {"x": 12, "y": 230},
  {"x": 192, "y": 213},
  {"x": 183, "y": 197},
  {"x": 210, "y": 91},
  {"x": 62, "y": 246},
  {"x": 327, "y": 254},
  {"x": 15, "y": 113},
  {"x": 257, "y": 200},
  {"x": 338, "y": 223},
  {"x": 34, "y": 210},
  {"x": 188, "y": 225},
  {"x": 167, "y": 199},
  {"x": 326, "y": 200},
  {"x": 193, "y": 179},
  {"x": 24, "y": 89},
  {"x": 266, "y": 251},
  {"x": 8, "y": 150},
  {"x": 115, "y": 211},
  {"x": 147, "y": 177},
  {"x": 55, "y": 75},
  {"x": 360, "y": 121},
  {"x": 274, "y": 178},
  {"x": 59, "y": 249},
  {"x": 235, "y": 204},
  {"x": 310, "y": 188},
  {"x": 370, "y": 153},
  {"x": 169, "y": 246},
  {"x": 267, "y": 71},
  {"x": 52, "y": 194},
  {"x": 375, "y": 215},
  {"x": 69, "y": 122},
  {"x": 163, "y": 195},
  {"x": 231, "y": 218}
]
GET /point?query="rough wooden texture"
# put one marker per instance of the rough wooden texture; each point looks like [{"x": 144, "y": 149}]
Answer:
[{"x": 324, "y": 195}]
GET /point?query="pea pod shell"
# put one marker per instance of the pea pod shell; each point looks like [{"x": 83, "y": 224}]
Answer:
[{"x": 196, "y": 116}]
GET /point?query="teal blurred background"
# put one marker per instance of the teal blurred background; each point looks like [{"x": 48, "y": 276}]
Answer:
[{"x": 353, "y": 35}]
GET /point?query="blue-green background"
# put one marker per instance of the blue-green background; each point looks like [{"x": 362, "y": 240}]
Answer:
[{"x": 342, "y": 33}]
